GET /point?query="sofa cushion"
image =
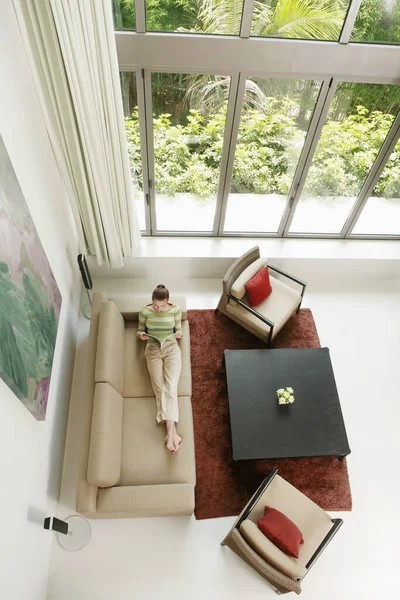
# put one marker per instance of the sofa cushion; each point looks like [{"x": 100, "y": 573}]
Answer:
[
  {"x": 278, "y": 307},
  {"x": 258, "y": 287},
  {"x": 110, "y": 357},
  {"x": 281, "y": 531},
  {"x": 238, "y": 287},
  {"x": 146, "y": 501},
  {"x": 137, "y": 380},
  {"x": 129, "y": 306},
  {"x": 271, "y": 553},
  {"x": 145, "y": 459},
  {"x": 104, "y": 465}
]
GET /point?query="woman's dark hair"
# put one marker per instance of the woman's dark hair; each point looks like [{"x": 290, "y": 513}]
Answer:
[{"x": 160, "y": 293}]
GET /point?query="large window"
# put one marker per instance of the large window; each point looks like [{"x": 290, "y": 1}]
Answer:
[
  {"x": 381, "y": 214},
  {"x": 274, "y": 122},
  {"x": 249, "y": 118},
  {"x": 359, "y": 119},
  {"x": 189, "y": 114},
  {"x": 131, "y": 113}
]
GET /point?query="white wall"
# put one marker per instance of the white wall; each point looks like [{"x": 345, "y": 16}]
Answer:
[{"x": 31, "y": 452}]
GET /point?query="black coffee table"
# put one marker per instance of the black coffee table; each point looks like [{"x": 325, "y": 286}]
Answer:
[{"x": 261, "y": 428}]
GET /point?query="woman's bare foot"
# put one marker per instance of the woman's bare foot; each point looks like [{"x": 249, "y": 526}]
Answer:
[{"x": 172, "y": 439}]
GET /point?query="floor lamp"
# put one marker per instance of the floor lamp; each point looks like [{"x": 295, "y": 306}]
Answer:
[
  {"x": 87, "y": 280},
  {"x": 73, "y": 533}
]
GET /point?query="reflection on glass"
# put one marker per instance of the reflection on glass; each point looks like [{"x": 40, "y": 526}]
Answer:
[
  {"x": 220, "y": 17},
  {"x": 189, "y": 113},
  {"x": 309, "y": 19},
  {"x": 377, "y": 22},
  {"x": 359, "y": 119},
  {"x": 129, "y": 100},
  {"x": 274, "y": 122},
  {"x": 381, "y": 214},
  {"x": 124, "y": 14}
]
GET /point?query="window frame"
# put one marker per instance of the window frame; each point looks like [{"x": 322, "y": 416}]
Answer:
[{"x": 274, "y": 58}]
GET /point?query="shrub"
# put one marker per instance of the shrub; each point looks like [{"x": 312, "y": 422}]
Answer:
[{"x": 188, "y": 156}]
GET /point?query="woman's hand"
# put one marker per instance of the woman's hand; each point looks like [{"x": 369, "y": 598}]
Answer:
[
  {"x": 144, "y": 336},
  {"x": 178, "y": 335}
]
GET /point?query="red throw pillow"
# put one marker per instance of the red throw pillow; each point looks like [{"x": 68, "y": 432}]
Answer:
[
  {"x": 278, "y": 528},
  {"x": 258, "y": 287}
]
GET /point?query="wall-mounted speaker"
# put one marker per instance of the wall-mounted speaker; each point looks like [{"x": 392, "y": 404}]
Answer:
[
  {"x": 56, "y": 525},
  {"x": 87, "y": 280},
  {"x": 84, "y": 269}
]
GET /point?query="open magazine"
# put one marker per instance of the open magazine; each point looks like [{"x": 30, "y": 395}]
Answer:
[{"x": 158, "y": 339}]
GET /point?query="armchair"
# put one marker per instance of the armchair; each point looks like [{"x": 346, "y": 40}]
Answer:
[
  {"x": 282, "y": 572},
  {"x": 267, "y": 319}
]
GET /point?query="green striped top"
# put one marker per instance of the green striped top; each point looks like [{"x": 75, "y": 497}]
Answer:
[{"x": 161, "y": 324}]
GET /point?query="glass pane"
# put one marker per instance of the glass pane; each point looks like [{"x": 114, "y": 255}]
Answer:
[
  {"x": 359, "y": 118},
  {"x": 220, "y": 17},
  {"x": 378, "y": 22},
  {"x": 130, "y": 103},
  {"x": 381, "y": 214},
  {"x": 189, "y": 113},
  {"x": 275, "y": 118},
  {"x": 124, "y": 14},
  {"x": 307, "y": 20}
]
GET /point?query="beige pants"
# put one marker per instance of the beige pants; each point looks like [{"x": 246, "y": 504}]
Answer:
[{"x": 164, "y": 366}]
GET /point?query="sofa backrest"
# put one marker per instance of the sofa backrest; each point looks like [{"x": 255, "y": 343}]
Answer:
[
  {"x": 86, "y": 494},
  {"x": 104, "y": 465},
  {"x": 129, "y": 306},
  {"x": 110, "y": 357}
]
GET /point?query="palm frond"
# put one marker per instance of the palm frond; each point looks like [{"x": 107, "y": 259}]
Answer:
[
  {"x": 221, "y": 17},
  {"x": 207, "y": 93},
  {"x": 309, "y": 19},
  {"x": 262, "y": 17}
]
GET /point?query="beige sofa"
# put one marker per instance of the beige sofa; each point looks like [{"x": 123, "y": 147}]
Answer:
[{"x": 126, "y": 470}]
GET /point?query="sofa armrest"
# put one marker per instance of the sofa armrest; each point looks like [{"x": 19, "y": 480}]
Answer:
[
  {"x": 145, "y": 501},
  {"x": 86, "y": 497}
]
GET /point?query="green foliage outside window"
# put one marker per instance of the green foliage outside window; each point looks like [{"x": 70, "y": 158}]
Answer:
[
  {"x": 188, "y": 156},
  {"x": 377, "y": 21}
]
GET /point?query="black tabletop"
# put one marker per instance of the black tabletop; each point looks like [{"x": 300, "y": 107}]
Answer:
[{"x": 261, "y": 428}]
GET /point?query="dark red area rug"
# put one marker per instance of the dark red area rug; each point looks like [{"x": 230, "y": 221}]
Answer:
[{"x": 224, "y": 486}]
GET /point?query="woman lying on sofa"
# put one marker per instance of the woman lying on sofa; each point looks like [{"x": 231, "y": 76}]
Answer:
[{"x": 160, "y": 326}]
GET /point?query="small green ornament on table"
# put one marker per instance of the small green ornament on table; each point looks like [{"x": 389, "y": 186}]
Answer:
[{"x": 285, "y": 395}]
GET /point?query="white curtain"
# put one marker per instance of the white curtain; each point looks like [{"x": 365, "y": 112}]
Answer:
[{"x": 72, "y": 51}]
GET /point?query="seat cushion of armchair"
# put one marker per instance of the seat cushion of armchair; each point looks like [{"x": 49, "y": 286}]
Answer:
[
  {"x": 137, "y": 380},
  {"x": 145, "y": 459},
  {"x": 271, "y": 553},
  {"x": 278, "y": 308}
]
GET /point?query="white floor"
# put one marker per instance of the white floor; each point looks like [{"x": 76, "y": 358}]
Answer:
[{"x": 179, "y": 557}]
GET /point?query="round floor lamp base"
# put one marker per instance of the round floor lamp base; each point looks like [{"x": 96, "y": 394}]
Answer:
[
  {"x": 78, "y": 536},
  {"x": 87, "y": 310}
]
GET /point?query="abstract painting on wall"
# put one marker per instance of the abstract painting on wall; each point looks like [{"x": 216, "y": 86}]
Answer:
[{"x": 30, "y": 300}]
